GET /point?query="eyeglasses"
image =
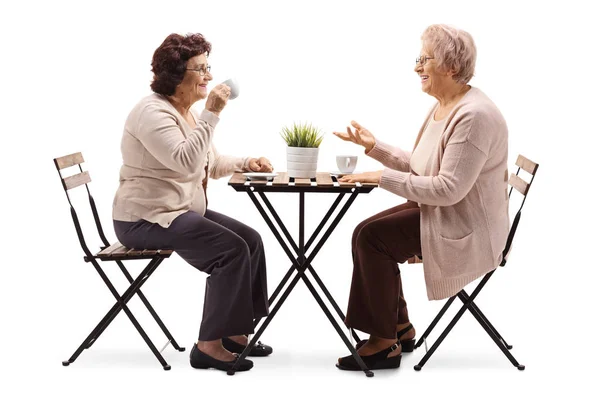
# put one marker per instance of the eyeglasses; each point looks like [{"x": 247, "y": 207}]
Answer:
[
  {"x": 423, "y": 60},
  {"x": 202, "y": 70}
]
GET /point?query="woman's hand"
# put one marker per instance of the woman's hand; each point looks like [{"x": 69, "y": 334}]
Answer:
[
  {"x": 365, "y": 177},
  {"x": 260, "y": 165},
  {"x": 217, "y": 99},
  {"x": 360, "y": 136}
]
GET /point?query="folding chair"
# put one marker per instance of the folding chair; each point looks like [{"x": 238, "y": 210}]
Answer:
[
  {"x": 516, "y": 182},
  {"x": 117, "y": 253}
]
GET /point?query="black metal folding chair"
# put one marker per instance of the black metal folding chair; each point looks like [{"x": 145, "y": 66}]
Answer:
[
  {"x": 516, "y": 182},
  {"x": 117, "y": 253}
]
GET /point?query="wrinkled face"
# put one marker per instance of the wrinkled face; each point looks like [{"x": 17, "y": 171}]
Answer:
[
  {"x": 193, "y": 85},
  {"x": 432, "y": 79}
]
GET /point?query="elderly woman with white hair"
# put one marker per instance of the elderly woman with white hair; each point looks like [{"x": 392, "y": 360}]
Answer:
[{"x": 456, "y": 214}]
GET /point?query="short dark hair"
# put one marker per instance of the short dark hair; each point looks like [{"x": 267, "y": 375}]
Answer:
[{"x": 170, "y": 59}]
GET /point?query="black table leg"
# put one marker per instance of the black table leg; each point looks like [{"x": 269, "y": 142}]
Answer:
[
  {"x": 301, "y": 264},
  {"x": 307, "y": 246}
]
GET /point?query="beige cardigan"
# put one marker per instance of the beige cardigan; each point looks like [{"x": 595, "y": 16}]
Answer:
[
  {"x": 164, "y": 160},
  {"x": 464, "y": 195}
]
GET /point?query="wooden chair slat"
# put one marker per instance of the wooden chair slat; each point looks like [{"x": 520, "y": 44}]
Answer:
[
  {"x": 324, "y": 179},
  {"x": 68, "y": 161},
  {"x": 77, "y": 180},
  {"x": 150, "y": 252},
  {"x": 108, "y": 251},
  {"x": 120, "y": 251},
  {"x": 134, "y": 252},
  {"x": 527, "y": 164},
  {"x": 519, "y": 184},
  {"x": 281, "y": 179}
]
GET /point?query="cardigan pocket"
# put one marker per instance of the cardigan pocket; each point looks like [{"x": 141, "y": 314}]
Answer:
[{"x": 454, "y": 255}]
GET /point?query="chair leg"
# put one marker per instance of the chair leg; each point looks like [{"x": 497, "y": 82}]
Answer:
[
  {"x": 441, "y": 338},
  {"x": 490, "y": 332},
  {"x": 121, "y": 305},
  {"x": 476, "y": 309},
  {"x": 115, "y": 310},
  {"x": 92, "y": 336},
  {"x": 435, "y": 321},
  {"x": 148, "y": 306},
  {"x": 483, "y": 321}
]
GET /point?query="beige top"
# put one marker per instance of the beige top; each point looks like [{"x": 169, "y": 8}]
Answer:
[
  {"x": 425, "y": 149},
  {"x": 164, "y": 160},
  {"x": 463, "y": 194}
]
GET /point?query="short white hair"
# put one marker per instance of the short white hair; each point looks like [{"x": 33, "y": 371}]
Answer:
[{"x": 453, "y": 49}]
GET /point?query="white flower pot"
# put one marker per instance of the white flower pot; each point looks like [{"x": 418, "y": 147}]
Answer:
[{"x": 302, "y": 162}]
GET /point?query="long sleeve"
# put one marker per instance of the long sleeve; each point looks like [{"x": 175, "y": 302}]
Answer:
[
  {"x": 461, "y": 164},
  {"x": 224, "y": 165},
  {"x": 390, "y": 156},
  {"x": 161, "y": 135}
]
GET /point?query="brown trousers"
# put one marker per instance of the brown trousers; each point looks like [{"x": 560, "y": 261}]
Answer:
[{"x": 379, "y": 243}]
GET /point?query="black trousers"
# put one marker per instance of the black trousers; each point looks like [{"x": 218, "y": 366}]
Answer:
[{"x": 231, "y": 252}]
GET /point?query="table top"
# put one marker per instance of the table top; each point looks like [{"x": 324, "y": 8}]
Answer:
[{"x": 324, "y": 182}]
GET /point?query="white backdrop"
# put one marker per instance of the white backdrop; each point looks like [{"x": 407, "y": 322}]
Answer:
[{"x": 70, "y": 74}]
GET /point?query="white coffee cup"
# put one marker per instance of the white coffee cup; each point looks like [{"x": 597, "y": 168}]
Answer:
[
  {"x": 346, "y": 164},
  {"x": 234, "y": 86}
]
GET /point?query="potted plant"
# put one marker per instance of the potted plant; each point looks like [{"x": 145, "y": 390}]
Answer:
[{"x": 303, "y": 142}]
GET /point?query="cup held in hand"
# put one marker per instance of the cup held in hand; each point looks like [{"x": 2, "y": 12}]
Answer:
[{"x": 234, "y": 86}]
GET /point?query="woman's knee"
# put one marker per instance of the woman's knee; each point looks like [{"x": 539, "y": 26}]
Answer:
[
  {"x": 252, "y": 238},
  {"x": 238, "y": 245},
  {"x": 367, "y": 236},
  {"x": 357, "y": 233}
]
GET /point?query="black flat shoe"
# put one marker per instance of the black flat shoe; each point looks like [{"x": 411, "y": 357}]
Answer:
[
  {"x": 202, "y": 360},
  {"x": 408, "y": 345},
  {"x": 379, "y": 360},
  {"x": 259, "y": 349}
]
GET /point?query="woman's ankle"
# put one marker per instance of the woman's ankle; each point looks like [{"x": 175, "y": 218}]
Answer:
[
  {"x": 209, "y": 344},
  {"x": 215, "y": 349},
  {"x": 240, "y": 339},
  {"x": 410, "y": 334},
  {"x": 381, "y": 342}
]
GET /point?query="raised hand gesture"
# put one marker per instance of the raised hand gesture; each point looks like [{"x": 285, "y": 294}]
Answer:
[{"x": 360, "y": 136}]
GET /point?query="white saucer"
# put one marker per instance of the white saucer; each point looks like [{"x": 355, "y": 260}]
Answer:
[
  {"x": 256, "y": 176},
  {"x": 340, "y": 174}
]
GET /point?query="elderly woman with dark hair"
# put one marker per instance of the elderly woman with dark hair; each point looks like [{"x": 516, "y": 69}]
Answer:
[
  {"x": 168, "y": 155},
  {"x": 456, "y": 216}
]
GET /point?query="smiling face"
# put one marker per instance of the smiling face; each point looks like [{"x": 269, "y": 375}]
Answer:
[
  {"x": 433, "y": 79},
  {"x": 193, "y": 85}
]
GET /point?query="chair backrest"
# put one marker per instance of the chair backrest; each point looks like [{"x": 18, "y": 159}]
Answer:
[
  {"x": 72, "y": 182},
  {"x": 517, "y": 182}
]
